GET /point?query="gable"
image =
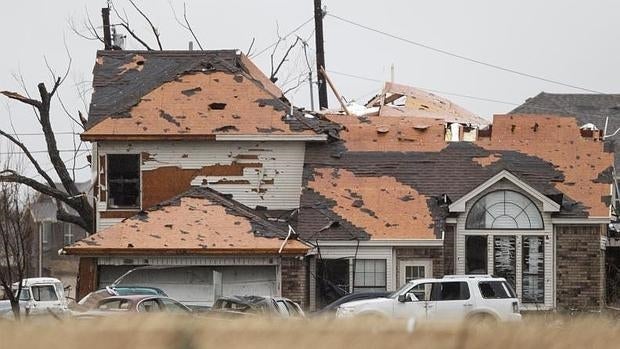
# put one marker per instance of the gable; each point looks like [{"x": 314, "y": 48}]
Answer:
[{"x": 548, "y": 205}]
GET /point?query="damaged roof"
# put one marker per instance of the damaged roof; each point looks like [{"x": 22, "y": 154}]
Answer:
[
  {"x": 199, "y": 221},
  {"x": 403, "y": 100},
  {"x": 374, "y": 183},
  {"x": 587, "y": 108},
  {"x": 184, "y": 95}
]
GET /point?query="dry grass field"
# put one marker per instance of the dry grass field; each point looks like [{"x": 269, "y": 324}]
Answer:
[{"x": 191, "y": 332}]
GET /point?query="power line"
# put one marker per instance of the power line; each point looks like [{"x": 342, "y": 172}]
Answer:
[
  {"x": 471, "y": 60},
  {"x": 41, "y": 151},
  {"x": 284, "y": 37}
]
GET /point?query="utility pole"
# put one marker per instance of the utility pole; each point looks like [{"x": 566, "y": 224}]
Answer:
[{"x": 320, "y": 53}]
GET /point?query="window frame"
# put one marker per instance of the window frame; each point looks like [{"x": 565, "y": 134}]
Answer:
[
  {"x": 371, "y": 288},
  {"x": 531, "y": 202},
  {"x": 107, "y": 179}
]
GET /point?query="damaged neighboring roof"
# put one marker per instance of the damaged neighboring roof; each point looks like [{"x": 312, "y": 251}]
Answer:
[
  {"x": 402, "y": 100},
  {"x": 186, "y": 95},
  {"x": 200, "y": 221},
  {"x": 383, "y": 185}
]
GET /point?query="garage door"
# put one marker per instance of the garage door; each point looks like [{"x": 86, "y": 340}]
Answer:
[{"x": 194, "y": 285}]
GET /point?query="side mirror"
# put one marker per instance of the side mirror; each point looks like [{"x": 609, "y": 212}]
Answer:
[{"x": 402, "y": 298}]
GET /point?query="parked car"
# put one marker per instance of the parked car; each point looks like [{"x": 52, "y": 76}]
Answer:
[
  {"x": 257, "y": 305},
  {"x": 89, "y": 301},
  {"x": 455, "y": 297},
  {"x": 333, "y": 306},
  {"x": 39, "y": 296},
  {"x": 134, "y": 304}
]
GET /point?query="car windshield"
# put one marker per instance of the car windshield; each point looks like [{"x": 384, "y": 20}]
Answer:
[
  {"x": 24, "y": 296},
  {"x": 400, "y": 290}
]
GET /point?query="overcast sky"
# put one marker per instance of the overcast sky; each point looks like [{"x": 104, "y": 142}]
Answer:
[{"x": 574, "y": 42}]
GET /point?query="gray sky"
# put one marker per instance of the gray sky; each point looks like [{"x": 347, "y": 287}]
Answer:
[{"x": 563, "y": 40}]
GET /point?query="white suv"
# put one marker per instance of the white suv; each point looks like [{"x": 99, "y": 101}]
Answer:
[{"x": 455, "y": 298}]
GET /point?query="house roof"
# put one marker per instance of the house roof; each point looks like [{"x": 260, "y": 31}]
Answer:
[
  {"x": 44, "y": 207},
  {"x": 185, "y": 95},
  {"x": 378, "y": 184},
  {"x": 586, "y": 108},
  {"x": 422, "y": 104},
  {"x": 199, "y": 221}
]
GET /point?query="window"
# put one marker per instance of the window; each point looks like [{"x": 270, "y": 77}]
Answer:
[
  {"x": 173, "y": 306},
  {"x": 450, "y": 291},
  {"x": 476, "y": 254},
  {"x": 45, "y": 293},
  {"x": 332, "y": 280},
  {"x": 414, "y": 272},
  {"x": 123, "y": 180},
  {"x": 496, "y": 290},
  {"x": 533, "y": 269},
  {"x": 46, "y": 234},
  {"x": 148, "y": 306},
  {"x": 504, "y": 209},
  {"x": 114, "y": 304},
  {"x": 369, "y": 275},
  {"x": 68, "y": 234},
  {"x": 505, "y": 258},
  {"x": 283, "y": 309},
  {"x": 422, "y": 291}
]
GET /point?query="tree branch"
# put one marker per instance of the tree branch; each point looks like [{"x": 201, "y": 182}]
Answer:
[
  {"x": 135, "y": 36},
  {"x": 155, "y": 32},
  {"x": 11, "y": 176},
  {"x": 30, "y": 157},
  {"x": 273, "y": 77},
  {"x": 16, "y": 96}
]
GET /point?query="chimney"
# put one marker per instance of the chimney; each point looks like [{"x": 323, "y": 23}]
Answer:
[{"x": 107, "y": 37}]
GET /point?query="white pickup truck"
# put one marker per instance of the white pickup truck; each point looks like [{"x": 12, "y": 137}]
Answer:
[
  {"x": 39, "y": 296},
  {"x": 452, "y": 298}
]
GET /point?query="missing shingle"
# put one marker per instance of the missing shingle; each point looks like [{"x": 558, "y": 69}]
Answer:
[{"x": 217, "y": 106}]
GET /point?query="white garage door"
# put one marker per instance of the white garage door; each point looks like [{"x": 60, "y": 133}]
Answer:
[{"x": 194, "y": 285}]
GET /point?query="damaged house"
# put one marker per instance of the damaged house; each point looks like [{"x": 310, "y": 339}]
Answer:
[
  {"x": 197, "y": 160},
  {"x": 206, "y": 173}
]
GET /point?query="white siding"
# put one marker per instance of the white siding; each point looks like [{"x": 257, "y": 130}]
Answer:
[
  {"x": 547, "y": 232},
  {"x": 281, "y": 162},
  {"x": 104, "y": 223}
]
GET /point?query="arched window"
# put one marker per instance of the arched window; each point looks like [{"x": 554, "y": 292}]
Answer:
[{"x": 504, "y": 209}]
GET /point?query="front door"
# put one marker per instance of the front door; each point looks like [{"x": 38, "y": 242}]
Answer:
[{"x": 415, "y": 269}]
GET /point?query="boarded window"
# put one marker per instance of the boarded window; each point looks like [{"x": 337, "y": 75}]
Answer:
[
  {"x": 533, "y": 269},
  {"x": 476, "y": 254},
  {"x": 505, "y": 258},
  {"x": 123, "y": 180},
  {"x": 504, "y": 209},
  {"x": 370, "y": 275}
]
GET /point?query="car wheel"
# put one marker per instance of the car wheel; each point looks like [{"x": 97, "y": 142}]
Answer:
[{"x": 482, "y": 320}]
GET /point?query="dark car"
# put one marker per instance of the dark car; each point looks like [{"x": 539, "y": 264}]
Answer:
[
  {"x": 135, "y": 304},
  {"x": 331, "y": 307},
  {"x": 89, "y": 301},
  {"x": 256, "y": 305}
]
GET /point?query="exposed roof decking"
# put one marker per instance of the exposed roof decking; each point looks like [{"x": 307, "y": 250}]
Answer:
[{"x": 197, "y": 222}]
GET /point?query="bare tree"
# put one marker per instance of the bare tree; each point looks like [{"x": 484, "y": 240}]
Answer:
[
  {"x": 70, "y": 196},
  {"x": 16, "y": 240}
]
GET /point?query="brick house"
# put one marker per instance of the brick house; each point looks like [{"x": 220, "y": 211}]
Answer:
[{"x": 414, "y": 187}]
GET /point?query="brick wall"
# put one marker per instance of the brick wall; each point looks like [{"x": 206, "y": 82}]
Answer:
[
  {"x": 580, "y": 270},
  {"x": 433, "y": 253},
  {"x": 449, "y": 241},
  {"x": 295, "y": 280}
]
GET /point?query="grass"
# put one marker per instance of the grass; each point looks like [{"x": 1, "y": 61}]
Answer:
[{"x": 155, "y": 332}]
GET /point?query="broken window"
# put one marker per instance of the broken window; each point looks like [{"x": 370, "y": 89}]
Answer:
[
  {"x": 504, "y": 209},
  {"x": 533, "y": 270},
  {"x": 369, "y": 275},
  {"x": 505, "y": 258},
  {"x": 332, "y": 280},
  {"x": 476, "y": 254},
  {"x": 123, "y": 180}
]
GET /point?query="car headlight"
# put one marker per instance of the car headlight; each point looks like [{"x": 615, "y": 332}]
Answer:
[{"x": 344, "y": 311}]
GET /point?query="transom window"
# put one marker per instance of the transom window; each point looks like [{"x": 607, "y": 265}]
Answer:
[{"x": 504, "y": 209}]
